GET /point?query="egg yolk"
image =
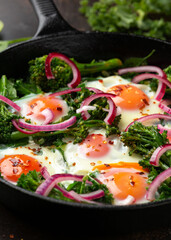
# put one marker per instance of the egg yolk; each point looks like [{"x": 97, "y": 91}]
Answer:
[
  {"x": 94, "y": 146},
  {"x": 129, "y": 179},
  {"x": 37, "y": 105},
  {"x": 12, "y": 166},
  {"x": 129, "y": 97}
]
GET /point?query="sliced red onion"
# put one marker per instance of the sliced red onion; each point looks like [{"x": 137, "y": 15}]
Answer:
[
  {"x": 145, "y": 76},
  {"x": 162, "y": 129},
  {"x": 112, "y": 107},
  {"x": 76, "y": 73},
  {"x": 163, "y": 105},
  {"x": 93, "y": 195},
  {"x": 88, "y": 196},
  {"x": 14, "y": 122},
  {"x": 127, "y": 201},
  {"x": 154, "y": 160},
  {"x": 10, "y": 103},
  {"x": 48, "y": 128},
  {"x": 85, "y": 108},
  {"x": 79, "y": 198},
  {"x": 150, "y": 195},
  {"x": 143, "y": 69},
  {"x": 161, "y": 86},
  {"x": 160, "y": 91},
  {"x": 45, "y": 188},
  {"x": 74, "y": 90},
  {"x": 48, "y": 114},
  {"x": 149, "y": 117}
]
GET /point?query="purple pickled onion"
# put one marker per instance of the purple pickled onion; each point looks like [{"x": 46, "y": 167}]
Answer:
[
  {"x": 145, "y": 76},
  {"x": 162, "y": 129},
  {"x": 48, "y": 114},
  {"x": 50, "y": 127},
  {"x": 149, "y": 117},
  {"x": 75, "y": 71},
  {"x": 161, "y": 86},
  {"x": 164, "y": 106},
  {"x": 87, "y": 196},
  {"x": 14, "y": 122},
  {"x": 10, "y": 103},
  {"x": 154, "y": 160},
  {"x": 150, "y": 195},
  {"x": 142, "y": 69},
  {"x": 112, "y": 107}
]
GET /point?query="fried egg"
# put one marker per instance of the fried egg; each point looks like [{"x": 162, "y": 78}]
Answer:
[
  {"x": 96, "y": 149},
  {"x": 132, "y": 100},
  {"x": 33, "y": 105},
  {"x": 124, "y": 179},
  {"x": 15, "y": 161},
  {"x": 121, "y": 172}
]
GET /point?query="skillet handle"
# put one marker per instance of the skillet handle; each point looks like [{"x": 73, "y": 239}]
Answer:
[{"x": 50, "y": 20}]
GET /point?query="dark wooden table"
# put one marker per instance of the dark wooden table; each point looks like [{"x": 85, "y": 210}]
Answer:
[{"x": 20, "y": 21}]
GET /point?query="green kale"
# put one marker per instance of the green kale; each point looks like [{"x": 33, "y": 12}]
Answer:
[
  {"x": 24, "y": 88},
  {"x": 143, "y": 17},
  {"x": 30, "y": 181},
  {"x": 63, "y": 73}
]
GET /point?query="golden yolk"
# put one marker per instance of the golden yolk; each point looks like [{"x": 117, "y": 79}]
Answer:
[
  {"x": 37, "y": 105},
  {"x": 12, "y": 166},
  {"x": 129, "y": 97},
  {"x": 130, "y": 184},
  {"x": 94, "y": 146},
  {"x": 129, "y": 179}
]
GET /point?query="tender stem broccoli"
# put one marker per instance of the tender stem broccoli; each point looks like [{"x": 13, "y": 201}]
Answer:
[
  {"x": 143, "y": 140},
  {"x": 6, "y": 126},
  {"x": 63, "y": 72}
]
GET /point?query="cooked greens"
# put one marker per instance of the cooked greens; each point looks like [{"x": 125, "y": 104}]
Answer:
[{"x": 150, "y": 18}]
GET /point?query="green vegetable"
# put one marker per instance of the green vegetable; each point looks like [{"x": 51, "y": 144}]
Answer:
[
  {"x": 6, "y": 43},
  {"x": 63, "y": 73},
  {"x": 143, "y": 140},
  {"x": 30, "y": 181},
  {"x": 1, "y": 26},
  {"x": 6, "y": 126},
  {"x": 143, "y": 17},
  {"x": 33, "y": 179}
]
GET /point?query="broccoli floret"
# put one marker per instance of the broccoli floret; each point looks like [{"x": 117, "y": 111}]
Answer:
[
  {"x": 30, "y": 181},
  {"x": 60, "y": 70},
  {"x": 63, "y": 72},
  {"x": 143, "y": 140},
  {"x": 6, "y": 126}
]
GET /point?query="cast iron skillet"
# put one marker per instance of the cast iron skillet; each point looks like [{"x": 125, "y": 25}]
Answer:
[{"x": 55, "y": 34}]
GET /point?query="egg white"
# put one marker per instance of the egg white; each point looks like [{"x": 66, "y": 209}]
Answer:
[
  {"x": 78, "y": 163},
  {"x": 128, "y": 116},
  {"x": 48, "y": 157},
  {"x": 23, "y": 104}
]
